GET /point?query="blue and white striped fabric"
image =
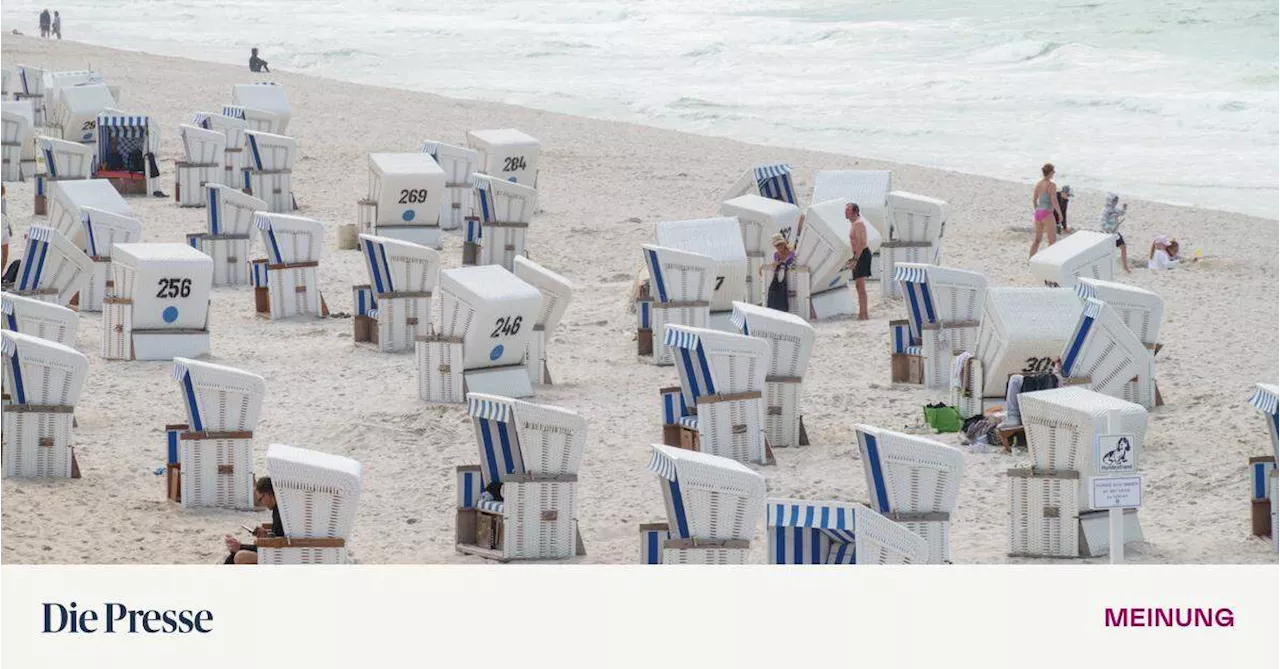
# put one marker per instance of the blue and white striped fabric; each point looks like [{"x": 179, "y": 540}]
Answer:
[
  {"x": 919, "y": 299},
  {"x": 810, "y": 533},
  {"x": 470, "y": 486},
  {"x": 673, "y": 407},
  {"x": 1266, "y": 398},
  {"x": 499, "y": 444},
  {"x": 900, "y": 336},
  {"x": 214, "y": 212},
  {"x": 690, "y": 422},
  {"x": 9, "y": 349},
  {"x": 254, "y": 154},
  {"x": 655, "y": 269},
  {"x": 183, "y": 376},
  {"x": 38, "y": 238},
  {"x": 1085, "y": 290},
  {"x": 234, "y": 111},
  {"x": 1260, "y": 475},
  {"x": 492, "y": 506},
  {"x": 681, "y": 339},
  {"x": 362, "y": 297},
  {"x": 263, "y": 222},
  {"x": 489, "y": 409},
  {"x": 375, "y": 257},
  {"x": 50, "y": 165},
  {"x": 871, "y": 461},
  {"x": 258, "y": 273},
  {"x": 1092, "y": 308},
  {"x": 474, "y": 231},
  {"x": 651, "y": 545},
  {"x": 484, "y": 199},
  {"x": 193, "y": 239},
  {"x": 171, "y": 442},
  {"x": 774, "y": 182},
  {"x": 739, "y": 321},
  {"x": 645, "y": 314},
  {"x": 662, "y": 465},
  {"x": 915, "y": 350},
  {"x": 119, "y": 127}
]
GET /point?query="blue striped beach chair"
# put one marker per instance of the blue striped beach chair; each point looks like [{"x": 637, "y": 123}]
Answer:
[
  {"x": 806, "y": 532},
  {"x": 293, "y": 245},
  {"x": 263, "y": 103},
  {"x": 914, "y": 481},
  {"x": 680, "y": 288},
  {"x": 19, "y": 132},
  {"x": 233, "y": 155},
  {"x": 317, "y": 495},
  {"x": 534, "y": 452},
  {"x": 229, "y": 222},
  {"x": 66, "y": 198},
  {"x": 759, "y": 219},
  {"x": 914, "y": 225},
  {"x": 38, "y": 318},
  {"x": 1110, "y": 356},
  {"x": 63, "y": 161},
  {"x": 458, "y": 163},
  {"x": 504, "y": 210},
  {"x": 402, "y": 276},
  {"x": 1266, "y": 399},
  {"x": 53, "y": 269},
  {"x": 203, "y": 151},
  {"x": 944, "y": 306},
  {"x": 268, "y": 171},
  {"x": 119, "y": 135},
  {"x": 722, "y": 379},
  {"x": 31, "y": 87},
  {"x": 1140, "y": 309},
  {"x": 44, "y": 380},
  {"x": 712, "y": 505},
  {"x": 102, "y": 231},
  {"x": 213, "y": 454},
  {"x": 557, "y": 293},
  {"x": 770, "y": 180},
  {"x": 790, "y": 340},
  {"x": 721, "y": 239}
]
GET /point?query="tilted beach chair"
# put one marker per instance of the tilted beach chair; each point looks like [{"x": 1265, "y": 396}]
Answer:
[
  {"x": 63, "y": 161},
  {"x": 102, "y": 231},
  {"x": 67, "y": 200},
  {"x": 226, "y": 239},
  {"x": 819, "y": 283},
  {"x": 869, "y": 189},
  {"x": 943, "y": 310},
  {"x": 557, "y": 292},
  {"x": 158, "y": 307},
  {"x": 916, "y": 224},
  {"x": 913, "y": 481},
  {"x": 43, "y": 380},
  {"x": 294, "y": 245},
  {"x": 507, "y": 155},
  {"x": 790, "y": 341},
  {"x": 722, "y": 378},
  {"x": 458, "y": 163},
  {"x": 19, "y": 140},
  {"x": 403, "y": 199},
  {"x": 504, "y": 210},
  {"x": 202, "y": 163},
  {"x": 760, "y": 218},
  {"x": 233, "y": 156},
  {"x": 317, "y": 494},
  {"x": 1049, "y": 503},
  {"x": 30, "y": 87},
  {"x": 534, "y": 452},
  {"x": 212, "y": 464},
  {"x": 265, "y": 96},
  {"x": 1106, "y": 354},
  {"x": 402, "y": 278},
  {"x": 120, "y": 137},
  {"x": 1083, "y": 253},
  {"x": 772, "y": 180},
  {"x": 806, "y": 532},
  {"x": 487, "y": 316},
  {"x": 1140, "y": 309},
  {"x": 679, "y": 293},
  {"x": 269, "y": 172},
  {"x": 721, "y": 239},
  {"x": 36, "y": 318},
  {"x": 1022, "y": 331},
  {"x": 53, "y": 269},
  {"x": 712, "y": 505},
  {"x": 75, "y": 110}
]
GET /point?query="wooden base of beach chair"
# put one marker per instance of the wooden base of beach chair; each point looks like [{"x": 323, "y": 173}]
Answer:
[
  {"x": 470, "y": 253},
  {"x": 1011, "y": 437},
  {"x": 129, "y": 184},
  {"x": 644, "y": 342},
  {"x": 671, "y": 435},
  {"x": 40, "y": 207},
  {"x": 483, "y": 534},
  {"x": 1260, "y": 517},
  {"x": 262, "y": 301},
  {"x": 1261, "y": 469},
  {"x": 907, "y": 368},
  {"x": 173, "y": 482},
  {"x": 291, "y": 550},
  {"x": 365, "y": 329}
]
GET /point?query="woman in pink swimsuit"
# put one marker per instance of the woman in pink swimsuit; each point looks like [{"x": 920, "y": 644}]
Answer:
[{"x": 1045, "y": 200}]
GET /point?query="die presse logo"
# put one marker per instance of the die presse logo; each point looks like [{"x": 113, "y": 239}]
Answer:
[{"x": 115, "y": 618}]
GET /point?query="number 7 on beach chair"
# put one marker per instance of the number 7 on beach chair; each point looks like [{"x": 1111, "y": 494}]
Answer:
[{"x": 43, "y": 380}]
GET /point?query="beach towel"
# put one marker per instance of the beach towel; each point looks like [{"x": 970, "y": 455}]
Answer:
[{"x": 958, "y": 369}]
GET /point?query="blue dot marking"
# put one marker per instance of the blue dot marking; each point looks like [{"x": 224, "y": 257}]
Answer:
[
  {"x": 170, "y": 314},
  {"x": 496, "y": 352},
  {"x": 408, "y": 215}
]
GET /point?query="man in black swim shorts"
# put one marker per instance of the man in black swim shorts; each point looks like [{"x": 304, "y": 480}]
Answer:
[{"x": 861, "y": 255}]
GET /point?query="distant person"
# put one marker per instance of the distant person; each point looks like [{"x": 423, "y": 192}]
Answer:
[
  {"x": 1112, "y": 216},
  {"x": 263, "y": 495},
  {"x": 1045, "y": 200},
  {"x": 257, "y": 64},
  {"x": 1164, "y": 254},
  {"x": 784, "y": 258},
  {"x": 57, "y": 25},
  {"x": 1064, "y": 198},
  {"x": 861, "y": 255},
  {"x": 44, "y": 24}
]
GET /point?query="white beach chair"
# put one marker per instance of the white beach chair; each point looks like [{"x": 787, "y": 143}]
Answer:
[
  {"x": 230, "y": 216},
  {"x": 53, "y": 269},
  {"x": 43, "y": 380},
  {"x": 504, "y": 210},
  {"x": 215, "y": 447},
  {"x": 790, "y": 341},
  {"x": 6, "y": 75},
  {"x": 403, "y": 200},
  {"x": 712, "y": 505},
  {"x": 75, "y": 110},
  {"x": 1083, "y": 253},
  {"x": 268, "y": 174},
  {"x": 56, "y": 81},
  {"x": 1109, "y": 357},
  {"x": 402, "y": 278},
  {"x": 487, "y": 316},
  {"x": 772, "y": 180},
  {"x": 30, "y": 87},
  {"x": 760, "y": 218},
  {"x": 722, "y": 378},
  {"x": 257, "y": 120},
  {"x": 533, "y": 451},
  {"x": 63, "y": 161},
  {"x": 317, "y": 494},
  {"x": 819, "y": 283},
  {"x": 69, "y": 199},
  {"x": 120, "y": 136},
  {"x": 721, "y": 239},
  {"x": 1049, "y": 503},
  {"x": 19, "y": 140},
  {"x": 158, "y": 307},
  {"x": 507, "y": 155},
  {"x": 233, "y": 156},
  {"x": 36, "y": 318},
  {"x": 557, "y": 292},
  {"x": 943, "y": 310},
  {"x": 916, "y": 224},
  {"x": 869, "y": 189},
  {"x": 806, "y": 532},
  {"x": 1140, "y": 309},
  {"x": 102, "y": 231},
  {"x": 293, "y": 245},
  {"x": 1022, "y": 331},
  {"x": 265, "y": 96},
  {"x": 458, "y": 163},
  {"x": 1266, "y": 399},
  {"x": 913, "y": 481},
  {"x": 678, "y": 293},
  {"x": 202, "y": 163}
]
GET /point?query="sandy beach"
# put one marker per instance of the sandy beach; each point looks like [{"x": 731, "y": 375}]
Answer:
[{"x": 602, "y": 186}]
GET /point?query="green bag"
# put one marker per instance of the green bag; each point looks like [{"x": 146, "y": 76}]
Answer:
[{"x": 943, "y": 418}]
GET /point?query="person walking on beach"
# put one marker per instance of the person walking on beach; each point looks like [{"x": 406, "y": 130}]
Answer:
[
  {"x": 1045, "y": 200},
  {"x": 57, "y": 25},
  {"x": 257, "y": 64},
  {"x": 44, "y": 24},
  {"x": 861, "y": 255}
]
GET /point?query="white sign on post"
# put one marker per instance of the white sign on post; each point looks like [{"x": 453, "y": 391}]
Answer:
[
  {"x": 1115, "y": 492},
  {"x": 1114, "y": 454}
]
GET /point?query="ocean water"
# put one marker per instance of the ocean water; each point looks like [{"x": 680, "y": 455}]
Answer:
[{"x": 1175, "y": 101}]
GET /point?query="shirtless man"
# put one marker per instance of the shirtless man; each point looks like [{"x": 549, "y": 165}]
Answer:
[{"x": 861, "y": 255}]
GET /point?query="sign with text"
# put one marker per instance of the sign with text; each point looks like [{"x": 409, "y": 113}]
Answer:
[
  {"x": 1115, "y": 492},
  {"x": 1115, "y": 454}
]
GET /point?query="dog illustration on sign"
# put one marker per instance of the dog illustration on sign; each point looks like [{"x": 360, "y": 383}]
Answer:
[{"x": 1119, "y": 456}]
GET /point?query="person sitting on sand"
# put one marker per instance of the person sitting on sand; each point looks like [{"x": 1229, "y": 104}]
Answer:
[
  {"x": 1164, "y": 254},
  {"x": 1045, "y": 200},
  {"x": 264, "y": 495},
  {"x": 861, "y": 255},
  {"x": 257, "y": 64},
  {"x": 1112, "y": 216},
  {"x": 784, "y": 258}
]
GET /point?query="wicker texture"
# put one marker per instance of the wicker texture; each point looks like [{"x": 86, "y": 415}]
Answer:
[
  {"x": 37, "y": 318},
  {"x": 219, "y": 398},
  {"x": 1084, "y": 253},
  {"x": 720, "y": 239},
  {"x": 1020, "y": 326},
  {"x": 42, "y": 372},
  {"x": 317, "y": 492},
  {"x": 722, "y": 498}
]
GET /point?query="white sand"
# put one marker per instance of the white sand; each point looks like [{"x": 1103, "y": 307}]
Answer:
[{"x": 603, "y": 184}]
